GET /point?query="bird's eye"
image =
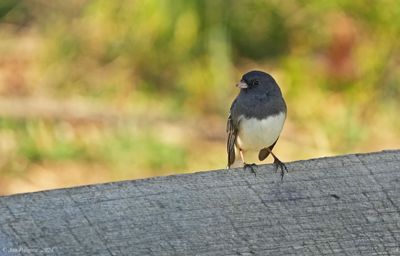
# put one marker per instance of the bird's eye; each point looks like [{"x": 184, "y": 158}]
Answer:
[{"x": 255, "y": 82}]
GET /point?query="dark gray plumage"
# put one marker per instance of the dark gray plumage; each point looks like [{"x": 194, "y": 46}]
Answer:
[{"x": 256, "y": 116}]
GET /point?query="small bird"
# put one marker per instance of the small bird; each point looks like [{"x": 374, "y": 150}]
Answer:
[{"x": 256, "y": 119}]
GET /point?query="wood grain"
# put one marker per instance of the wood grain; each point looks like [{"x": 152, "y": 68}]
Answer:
[{"x": 345, "y": 205}]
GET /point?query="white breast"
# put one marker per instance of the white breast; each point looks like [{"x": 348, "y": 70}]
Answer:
[{"x": 257, "y": 134}]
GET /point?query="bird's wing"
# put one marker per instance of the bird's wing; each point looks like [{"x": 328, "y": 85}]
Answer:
[
  {"x": 264, "y": 153},
  {"x": 231, "y": 129}
]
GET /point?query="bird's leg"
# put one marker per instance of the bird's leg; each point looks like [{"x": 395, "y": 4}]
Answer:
[
  {"x": 245, "y": 166},
  {"x": 279, "y": 164}
]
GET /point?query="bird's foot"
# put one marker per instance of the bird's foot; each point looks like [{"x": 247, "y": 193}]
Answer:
[
  {"x": 280, "y": 165},
  {"x": 251, "y": 166}
]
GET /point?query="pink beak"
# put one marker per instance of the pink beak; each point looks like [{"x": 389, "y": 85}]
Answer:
[{"x": 242, "y": 85}]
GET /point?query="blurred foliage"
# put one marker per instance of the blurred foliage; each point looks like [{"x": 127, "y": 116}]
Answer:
[{"x": 176, "y": 61}]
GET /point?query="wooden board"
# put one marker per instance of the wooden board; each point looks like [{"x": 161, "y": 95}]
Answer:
[{"x": 345, "y": 205}]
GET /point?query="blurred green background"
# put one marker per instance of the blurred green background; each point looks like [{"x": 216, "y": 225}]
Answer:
[{"x": 100, "y": 90}]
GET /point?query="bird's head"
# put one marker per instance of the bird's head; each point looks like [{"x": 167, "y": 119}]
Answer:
[{"x": 257, "y": 80}]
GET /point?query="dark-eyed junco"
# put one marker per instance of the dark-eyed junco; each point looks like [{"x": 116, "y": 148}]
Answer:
[{"x": 256, "y": 119}]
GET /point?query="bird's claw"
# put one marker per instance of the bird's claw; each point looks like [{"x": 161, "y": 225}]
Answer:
[
  {"x": 251, "y": 166},
  {"x": 280, "y": 165}
]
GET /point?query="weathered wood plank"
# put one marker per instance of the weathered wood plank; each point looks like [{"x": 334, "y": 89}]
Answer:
[{"x": 346, "y": 205}]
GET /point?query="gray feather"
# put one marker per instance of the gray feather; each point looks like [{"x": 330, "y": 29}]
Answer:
[{"x": 232, "y": 129}]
